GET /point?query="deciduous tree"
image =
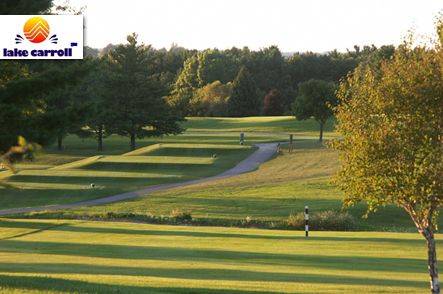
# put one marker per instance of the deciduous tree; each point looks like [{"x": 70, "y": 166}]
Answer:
[
  {"x": 211, "y": 100},
  {"x": 314, "y": 100},
  {"x": 391, "y": 118},
  {"x": 274, "y": 103}
]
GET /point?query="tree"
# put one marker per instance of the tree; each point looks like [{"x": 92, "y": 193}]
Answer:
[
  {"x": 186, "y": 84},
  {"x": 213, "y": 66},
  {"x": 211, "y": 100},
  {"x": 21, "y": 100},
  {"x": 24, "y": 7},
  {"x": 93, "y": 93},
  {"x": 200, "y": 70},
  {"x": 274, "y": 103},
  {"x": 391, "y": 118},
  {"x": 137, "y": 109},
  {"x": 63, "y": 111},
  {"x": 244, "y": 99},
  {"x": 23, "y": 87},
  {"x": 314, "y": 100}
]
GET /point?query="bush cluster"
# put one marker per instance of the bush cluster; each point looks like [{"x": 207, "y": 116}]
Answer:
[
  {"x": 181, "y": 215},
  {"x": 329, "y": 220},
  {"x": 319, "y": 221}
]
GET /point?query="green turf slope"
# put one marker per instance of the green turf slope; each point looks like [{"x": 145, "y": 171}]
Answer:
[{"x": 44, "y": 184}]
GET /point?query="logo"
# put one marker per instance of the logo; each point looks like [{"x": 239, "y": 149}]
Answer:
[
  {"x": 40, "y": 37},
  {"x": 36, "y": 30}
]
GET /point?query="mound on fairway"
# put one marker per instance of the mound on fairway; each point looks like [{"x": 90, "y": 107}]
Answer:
[
  {"x": 115, "y": 174},
  {"x": 282, "y": 186}
]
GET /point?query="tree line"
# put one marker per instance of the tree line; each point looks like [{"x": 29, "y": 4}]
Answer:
[
  {"x": 240, "y": 82},
  {"x": 137, "y": 91},
  {"x": 195, "y": 94}
]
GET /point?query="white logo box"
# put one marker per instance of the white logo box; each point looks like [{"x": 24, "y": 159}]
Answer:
[{"x": 67, "y": 43}]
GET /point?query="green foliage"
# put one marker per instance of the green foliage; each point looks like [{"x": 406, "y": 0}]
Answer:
[
  {"x": 137, "y": 107},
  {"x": 211, "y": 100},
  {"x": 23, "y": 106},
  {"x": 391, "y": 118},
  {"x": 316, "y": 99},
  {"x": 213, "y": 66},
  {"x": 328, "y": 220},
  {"x": 303, "y": 67},
  {"x": 92, "y": 93},
  {"x": 201, "y": 70},
  {"x": 24, "y": 7},
  {"x": 267, "y": 68},
  {"x": 30, "y": 149},
  {"x": 244, "y": 100},
  {"x": 181, "y": 215},
  {"x": 35, "y": 95}
]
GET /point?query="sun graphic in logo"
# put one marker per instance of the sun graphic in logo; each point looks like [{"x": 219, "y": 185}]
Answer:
[{"x": 36, "y": 30}]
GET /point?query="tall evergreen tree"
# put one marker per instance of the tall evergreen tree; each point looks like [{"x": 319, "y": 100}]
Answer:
[
  {"x": 92, "y": 92},
  {"x": 135, "y": 98},
  {"x": 244, "y": 99},
  {"x": 64, "y": 107}
]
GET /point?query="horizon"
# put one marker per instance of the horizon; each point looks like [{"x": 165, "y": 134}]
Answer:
[{"x": 294, "y": 26}]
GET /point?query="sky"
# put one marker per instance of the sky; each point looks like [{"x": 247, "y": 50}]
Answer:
[{"x": 292, "y": 25}]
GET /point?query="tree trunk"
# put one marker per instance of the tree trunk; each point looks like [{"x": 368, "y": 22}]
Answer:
[
  {"x": 321, "y": 130},
  {"x": 100, "y": 138},
  {"x": 132, "y": 142},
  {"x": 432, "y": 260},
  {"x": 59, "y": 143}
]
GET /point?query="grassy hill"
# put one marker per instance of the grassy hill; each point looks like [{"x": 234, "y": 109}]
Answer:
[
  {"x": 266, "y": 124},
  {"x": 77, "y": 256},
  {"x": 65, "y": 176},
  {"x": 282, "y": 186}
]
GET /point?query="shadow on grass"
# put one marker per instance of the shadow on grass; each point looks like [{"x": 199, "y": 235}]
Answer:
[
  {"x": 341, "y": 262},
  {"x": 25, "y": 284},
  {"x": 142, "y": 166},
  {"x": 202, "y": 274},
  {"x": 297, "y": 235},
  {"x": 83, "y": 180}
]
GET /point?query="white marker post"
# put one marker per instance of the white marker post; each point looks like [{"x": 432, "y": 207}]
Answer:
[{"x": 307, "y": 221}]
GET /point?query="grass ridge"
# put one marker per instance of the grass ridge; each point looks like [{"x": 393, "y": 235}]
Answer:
[{"x": 79, "y": 163}]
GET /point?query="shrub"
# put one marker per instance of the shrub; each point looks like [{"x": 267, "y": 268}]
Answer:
[
  {"x": 181, "y": 215},
  {"x": 324, "y": 221},
  {"x": 296, "y": 221}
]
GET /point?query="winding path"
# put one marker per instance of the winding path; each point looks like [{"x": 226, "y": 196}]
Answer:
[{"x": 265, "y": 151}]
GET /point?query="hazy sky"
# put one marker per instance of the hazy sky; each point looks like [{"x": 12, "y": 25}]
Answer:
[{"x": 292, "y": 25}]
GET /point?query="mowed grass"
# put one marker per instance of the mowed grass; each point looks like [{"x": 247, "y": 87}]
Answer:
[
  {"x": 283, "y": 185},
  {"x": 65, "y": 256},
  {"x": 266, "y": 124},
  {"x": 65, "y": 176}
]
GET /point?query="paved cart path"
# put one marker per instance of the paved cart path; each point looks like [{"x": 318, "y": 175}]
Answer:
[{"x": 265, "y": 151}]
